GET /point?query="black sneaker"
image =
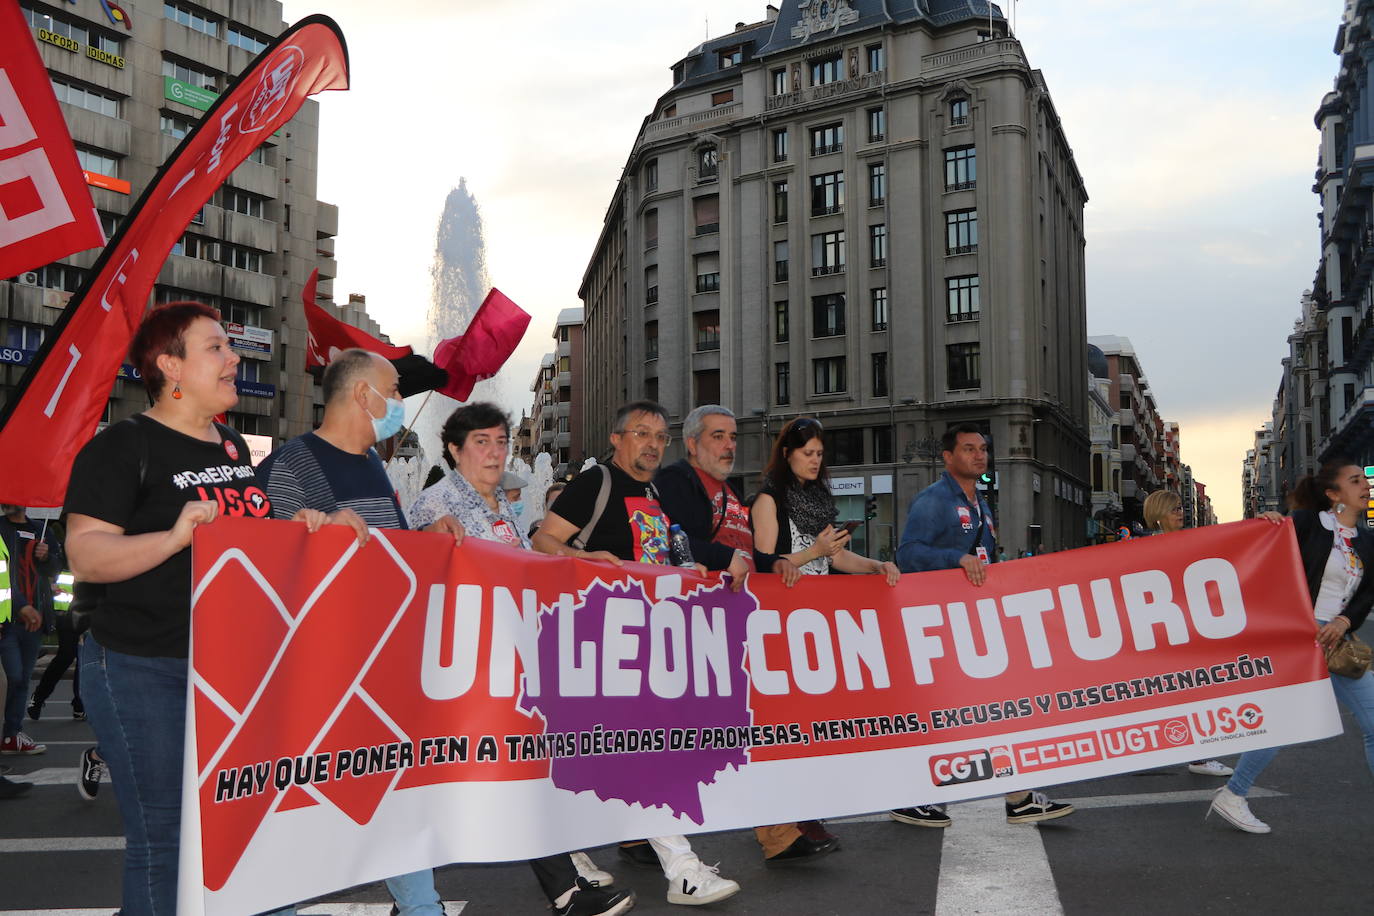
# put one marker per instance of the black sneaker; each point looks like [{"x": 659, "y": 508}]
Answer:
[
  {"x": 922, "y": 816},
  {"x": 11, "y": 789},
  {"x": 92, "y": 769},
  {"x": 78, "y": 715},
  {"x": 641, "y": 854},
  {"x": 589, "y": 899},
  {"x": 1036, "y": 807},
  {"x": 802, "y": 849},
  {"x": 35, "y": 710}
]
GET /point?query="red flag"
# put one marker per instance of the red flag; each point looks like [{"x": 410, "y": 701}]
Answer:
[
  {"x": 64, "y": 391},
  {"x": 480, "y": 351},
  {"x": 328, "y": 335},
  {"x": 45, "y": 208}
]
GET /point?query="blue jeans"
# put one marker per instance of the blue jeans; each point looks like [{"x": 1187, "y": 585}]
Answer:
[
  {"x": 414, "y": 895},
  {"x": 18, "y": 654},
  {"x": 1355, "y": 694},
  {"x": 137, "y": 707}
]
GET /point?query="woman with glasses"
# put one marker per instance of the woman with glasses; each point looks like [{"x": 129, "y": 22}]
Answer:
[{"x": 794, "y": 515}]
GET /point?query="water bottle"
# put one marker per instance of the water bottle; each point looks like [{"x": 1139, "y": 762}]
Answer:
[{"x": 680, "y": 547}]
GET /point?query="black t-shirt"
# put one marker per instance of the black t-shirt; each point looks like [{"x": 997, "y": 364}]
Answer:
[
  {"x": 138, "y": 474},
  {"x": 633, "y": 527}
]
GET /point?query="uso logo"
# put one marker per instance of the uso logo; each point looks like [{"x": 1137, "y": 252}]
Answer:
[{"x": 962, "y": 767}]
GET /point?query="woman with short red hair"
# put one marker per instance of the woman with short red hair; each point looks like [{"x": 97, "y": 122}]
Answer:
[{"x": 137, "y": 492}]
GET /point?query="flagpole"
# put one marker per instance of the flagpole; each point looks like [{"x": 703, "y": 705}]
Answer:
[{"x": 406, "y": 429}]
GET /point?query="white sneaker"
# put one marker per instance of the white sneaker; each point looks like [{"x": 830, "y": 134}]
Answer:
[
  {"x": 1236, "y": 810},
  {"x": 587, "y": 869},
  {"x": 696, "y": 883},
  {"x": 1210, "y": 768}
]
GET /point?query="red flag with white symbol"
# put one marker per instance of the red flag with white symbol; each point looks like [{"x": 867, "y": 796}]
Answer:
[
  {"x": 329, "y": 335},
  {"x": 480, "y": 351},
  {"x": 64, "y": 391},
  {"x": 46, "y": 211}
]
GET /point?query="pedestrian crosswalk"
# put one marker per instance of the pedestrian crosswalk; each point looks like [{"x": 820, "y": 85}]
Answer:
[{"x": 451, "y": 908}]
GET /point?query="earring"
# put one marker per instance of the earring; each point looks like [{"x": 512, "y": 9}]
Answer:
[
  {"x": 1339, "y": 508},
  {"x": 176, "y": 391}
]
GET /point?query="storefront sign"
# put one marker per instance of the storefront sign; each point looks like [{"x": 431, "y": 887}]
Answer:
[
  {"x": 256, "y": 389},
  {"x": 847, "y": 486},
  {"x": 61, "y": 41},
  {"x": 194, "y": 96},
  {"x": 109, "y": 183},
  {"x": 105, "y": 57},
  {"x": 259, "y": 447},
  {"x": 250, "y": 341}
]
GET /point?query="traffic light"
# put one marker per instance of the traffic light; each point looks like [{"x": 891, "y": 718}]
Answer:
[
  {"x": 870, "y": 508},
  {"x": 988, "y": 479}
]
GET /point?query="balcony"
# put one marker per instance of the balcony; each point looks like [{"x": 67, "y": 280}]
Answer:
[
  {"x": 826, "y": 270},
  {"x": 963, "y": 249},
  {"x": 1002, "y": 52},
  {"x": 708, "y": 283},
  {"x": 690, "y": 123}
]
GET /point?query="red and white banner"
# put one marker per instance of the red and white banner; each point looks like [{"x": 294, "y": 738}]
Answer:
[
  {"x": 328, "y": 335},
  {"x": 64, "y": 391},
  {"x": 45, "y": 209},
  {"x": 409, "y": 704}
]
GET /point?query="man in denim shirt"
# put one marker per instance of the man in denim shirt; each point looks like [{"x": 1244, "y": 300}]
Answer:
[{"x": 950, "y": 526}]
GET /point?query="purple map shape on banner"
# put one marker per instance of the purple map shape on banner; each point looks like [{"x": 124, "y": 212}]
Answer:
[{"x": 682, "y": 673}]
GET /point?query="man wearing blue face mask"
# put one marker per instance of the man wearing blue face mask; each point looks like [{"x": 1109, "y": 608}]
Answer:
[{"x": 336, "y": 469}]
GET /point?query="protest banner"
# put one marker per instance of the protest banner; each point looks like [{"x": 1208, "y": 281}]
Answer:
[{"x": 407, "y": 703}]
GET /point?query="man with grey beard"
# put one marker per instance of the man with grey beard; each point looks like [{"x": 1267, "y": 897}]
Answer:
[{"x": 697, "y": 495}]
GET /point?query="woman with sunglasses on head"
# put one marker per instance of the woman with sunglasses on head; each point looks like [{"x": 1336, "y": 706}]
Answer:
[
  {"x": 1336, "y": 552},
  {"x": 794, "y": 515}
]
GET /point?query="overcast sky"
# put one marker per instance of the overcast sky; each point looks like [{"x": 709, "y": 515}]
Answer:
[{"x": 1190, "y": 122}]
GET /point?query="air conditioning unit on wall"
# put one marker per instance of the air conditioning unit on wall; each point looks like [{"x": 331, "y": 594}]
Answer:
[{"x": 29, "y": 278}]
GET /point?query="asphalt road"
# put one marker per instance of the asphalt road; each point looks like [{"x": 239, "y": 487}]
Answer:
[{"x": 1137, "y": 844}]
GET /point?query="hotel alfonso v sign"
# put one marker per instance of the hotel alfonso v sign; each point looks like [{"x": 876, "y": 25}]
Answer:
[
  {"x": 827, "y": 91},
  {"x": 388, "y": 685}
]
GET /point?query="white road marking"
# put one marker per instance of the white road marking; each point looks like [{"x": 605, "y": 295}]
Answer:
[
  {"x": 990, "y": 866},
  {"x": 55, "y": 776},
  {"x": 452, "y": 907},
  {"x": 62, "y": 844}
]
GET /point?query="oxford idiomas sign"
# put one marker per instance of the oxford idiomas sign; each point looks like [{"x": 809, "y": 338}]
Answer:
[{"x": 388, "y": 686}]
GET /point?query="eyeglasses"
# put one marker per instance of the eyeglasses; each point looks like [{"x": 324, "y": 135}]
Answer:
[{"x": 641, "y": 435}]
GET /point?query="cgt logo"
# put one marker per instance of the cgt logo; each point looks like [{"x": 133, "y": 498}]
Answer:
[
  {"x": 1223, "y": 720},
  {"x": 956, "y": 769}
]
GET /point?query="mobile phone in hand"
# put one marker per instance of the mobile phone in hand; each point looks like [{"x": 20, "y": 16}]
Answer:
[{"x": 849, "y": 526}]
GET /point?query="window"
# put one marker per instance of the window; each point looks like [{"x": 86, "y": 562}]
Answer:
[
  {"x": 191, "y": 245},
  {"x": 708, "y": 272},
  {"x": 244, "y": 258},
  {"x": 781, "y": 316},
  {"x": 651, "y": 175},
  {"x": 780, "y": 261},
  {"x": 176, "y": 126},
  {"x": 98, "y": 162},
  {"x": 877, "y": 245},
  {"x": 708, "y": 332},
  {"x": 827, "y": 69},
  {"x": 249, "y": 370},
  {"x": 880, "y": 375},
  {"x": 706, "y": 383},
  {"x": 877, "y": 58},
  {"x": 22, "y": 336},
  {"x": 651, "y": 340},
  {"x": 89, "y": 99},
  {"x": 961, "y": 232},
  {"x": 827, "y": 193},
  {"x": 829, "y": 374},
  {"x": 650, "y": 285},
  {"x": 878, "y": 302},
  {"x": 242, "y": 312},
  {"x": 670, "y": 111},
  {"x": 650, "y": 228},
  {"x": 60, "y": 276},
  {"x": 706, "y": 212},
  {"x": 779, "y": 201},
  {"x": 242, "y": 202},
  {"x": 843, "y": 446},
  {"x": 708, "y": 163},
  {"x": 877, "y": 184},
  {"x": 780, "y": 145},
  {"x": 651, "y": 388},
  {"x": 882, "y": 444},
  {"x": 827, "y": 253},
  {"x": 724, "y": 97},
  {"x": 259, "y": 155},
  {"x": 961, "y": 297},
  {"x": 564, "y": 364},
  {"x": 109, "y": 222},
  {"x": 827, "y": 139},
  {"x": 779, "y": 78},
  {"x": 827, "y": 315},
  {"x": 730, "y": 57},
  {"x": 240, "y": 37},
  {"x": 961, "y": 366},
  {"x": 782, "y": 382},
  {"x": 877, "y": 124},
  {"x": 961, "y": 168},
  {"x": 958, "y": 112},
  {"x": 192, "y": 18},
  {"x": 73, "y": 30},
  {"x": 205, "y": 79}
]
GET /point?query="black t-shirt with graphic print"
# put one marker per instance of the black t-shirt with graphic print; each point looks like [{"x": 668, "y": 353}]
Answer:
[
  {"x": 633, "y": 527},
  {"x": 138, "y": 474}
]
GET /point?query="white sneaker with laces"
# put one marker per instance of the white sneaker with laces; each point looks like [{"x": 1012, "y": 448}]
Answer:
[
  {"x": 1210, "y": 768},
  {"x": 1234, "y": 809},
  {"x": 589, "y": 870},
  {"x": 694, "y": 883}
]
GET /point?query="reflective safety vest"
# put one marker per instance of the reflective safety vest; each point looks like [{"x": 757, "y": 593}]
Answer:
[
  {"x": 4, "y": 582},
  {"x": 62, "y": 594}
]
